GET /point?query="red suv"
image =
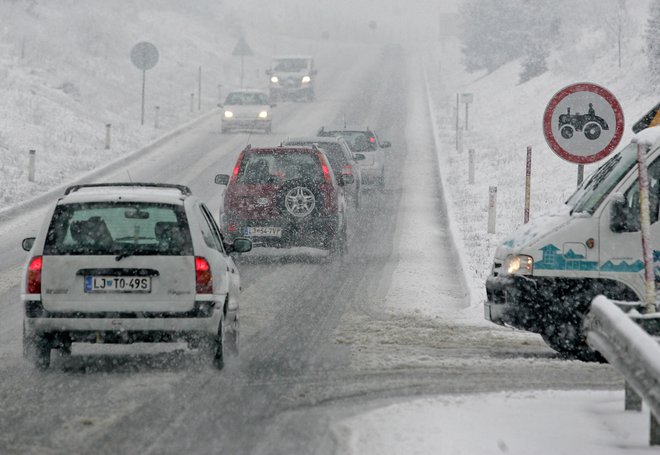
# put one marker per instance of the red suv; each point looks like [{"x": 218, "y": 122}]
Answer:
[{"x": 283, "y": 197}]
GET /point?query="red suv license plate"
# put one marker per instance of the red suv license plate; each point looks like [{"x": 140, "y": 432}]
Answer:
[{"x": 263, "y": 231}]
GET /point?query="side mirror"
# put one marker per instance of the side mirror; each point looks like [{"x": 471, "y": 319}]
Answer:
[
  {"x": 386, "y": 144},
  {"x": 622, "y": 219},
  {"x": 273, "y": 105},
  {"x": 347, "y": 179},
  {"x": 28, "y": 243},
  {"x": 240, "y": 245},
  {"x": 222, "y": 179},
  {"x": 359, "y": 156}
]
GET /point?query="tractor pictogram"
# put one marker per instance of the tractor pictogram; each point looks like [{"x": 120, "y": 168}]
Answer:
[{"x": 591, "y": 124}]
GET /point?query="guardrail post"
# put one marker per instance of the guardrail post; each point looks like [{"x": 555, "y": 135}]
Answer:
[
  {"x": 633, "y": 402},
  {"x": 32, "y": 157},
  {"x": 471, "y": 166},
  {"x": 654, "y": 437}
]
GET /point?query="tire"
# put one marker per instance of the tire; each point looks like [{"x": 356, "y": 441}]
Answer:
[
  {"x": 566, "y": 131},
  {"x": 213, "y": 347},
  {"x": 568, "y": 342},
  {"x": 298, "y": 200},
  {"x": 36, "y": 350},
  {"x": 592, "y": 131},
  {"x": 232, "y": 338}
]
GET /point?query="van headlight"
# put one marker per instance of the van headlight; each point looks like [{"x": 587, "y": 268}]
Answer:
[
  {"x": 274, "y": 79},
  {"x": 518, "y": 264},
  {"x": 229, "y": 114},
  {"x": 306, "y": 79},
  {"x": 263, "y": 114}
]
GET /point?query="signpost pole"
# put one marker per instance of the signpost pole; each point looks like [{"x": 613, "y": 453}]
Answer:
[
  {"x": 528, "y": 183},
  {"x": 645, "y": 218},
  {"x": 144, "y": 83},
  {"x": 466, "y": 115},
  {"x": 580, "y": 177},
  {"x": 199, "y": 89}
]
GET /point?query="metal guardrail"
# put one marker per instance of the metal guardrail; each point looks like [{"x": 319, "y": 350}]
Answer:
[{"x": 632, "y": 351}]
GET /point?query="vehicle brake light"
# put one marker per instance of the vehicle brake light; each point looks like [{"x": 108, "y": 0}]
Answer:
[
  {"x": 203, "y": 276},
  {"x": 33, "y": 285},
  {"x": 324, "y": 168},
  {"x": 237, "y": 167},
  {"x": 372, "y": 139}
]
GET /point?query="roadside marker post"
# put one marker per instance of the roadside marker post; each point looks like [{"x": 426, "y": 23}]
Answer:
[
  {"x": 467, "y": 98},
  {"x": 32, "y": 157},
  {"x": 471, "y": 166},
  {"x": 157, "y": 117},
  {"x": 108, "y": 128},
  {"x": 492, "y": 209}
]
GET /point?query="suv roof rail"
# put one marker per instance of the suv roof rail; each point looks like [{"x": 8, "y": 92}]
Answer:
[
  {"x": 184, "y": 189},
  {"x": 247, "y": 147}
]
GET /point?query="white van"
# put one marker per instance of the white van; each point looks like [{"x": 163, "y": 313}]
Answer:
[{"x": 546, "y": 274}]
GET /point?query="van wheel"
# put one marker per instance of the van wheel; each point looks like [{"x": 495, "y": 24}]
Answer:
[
  {"x": 570, "y": 343},
  {"x": 36, "y": 350}
]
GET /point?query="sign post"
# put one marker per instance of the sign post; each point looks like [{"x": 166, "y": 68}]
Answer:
[{"x": 144, "y": 56}]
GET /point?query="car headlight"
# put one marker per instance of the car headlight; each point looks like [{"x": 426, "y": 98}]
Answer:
[
  {"x": 518, "y": 264},
  {"x": 274, "y": 79},
  {"x": 306, "y": 79},
  {"x": 263, "y": 114},
  {"x": 229, "y": 114}
]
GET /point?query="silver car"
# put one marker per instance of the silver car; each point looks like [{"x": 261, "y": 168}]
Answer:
[
  {"x": 129, "y": 262},
  {"x": 247, "y": 110}
]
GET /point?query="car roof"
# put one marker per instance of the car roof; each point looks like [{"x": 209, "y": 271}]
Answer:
[
  {"x": 283, "y": 149},
  {"x": 133, "y": 192},
  {"x": 315, "y": 139},
  {"x": 282, "y": 57},
  {"x": 248, "y": 90}
]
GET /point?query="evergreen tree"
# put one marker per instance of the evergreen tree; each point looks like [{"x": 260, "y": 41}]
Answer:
[{"x": 652, "y": 39}]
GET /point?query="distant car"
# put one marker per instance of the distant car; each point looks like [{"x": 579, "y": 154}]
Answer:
[
  {"x": 292, "y": 77},
  {"x": 364, "y": 142},
  {"x": 247, "y": 110},
  {"x": 125, "y": 263},
  {"x": 342, "y": 160},
  {"x": 285, "y": 197}
]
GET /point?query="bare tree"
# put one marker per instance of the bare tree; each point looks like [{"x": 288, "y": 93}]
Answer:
[{"x": 617, "y": 24}]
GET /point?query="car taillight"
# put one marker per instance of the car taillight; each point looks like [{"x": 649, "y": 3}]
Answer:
[
  {"x": 203, "y": 276},
  {"x": 231, "y": 227},
  {"x": 372, "y": 139},
  {"x": 325, "y": 169},
  {"x": 33, "y": 285},
  {"x": 234, "y": 174}
]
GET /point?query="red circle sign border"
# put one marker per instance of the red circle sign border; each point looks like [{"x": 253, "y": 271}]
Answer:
[{"x": 583, "y": 87}]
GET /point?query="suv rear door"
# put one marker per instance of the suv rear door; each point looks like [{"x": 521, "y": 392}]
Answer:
[{"x": 118, "y": 257}]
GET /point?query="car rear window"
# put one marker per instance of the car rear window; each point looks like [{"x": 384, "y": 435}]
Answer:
[
  {"x": 278, "y": 167},
  {"x": 119, "y": 228},
  {"x": 333, "y": 151},
  {"x": 359, "y": 141},
  {"x": 246, "y": 99}
]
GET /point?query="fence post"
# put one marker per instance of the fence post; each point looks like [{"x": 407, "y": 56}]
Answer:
[
  {"x": 156, "y": 118},
  {"x": 492, "y": 208},
  {"x": 471, "y": 166},
  {"x": 633, "y": 402},
  {"x": 108, "y": 128},
  {"x": 32, "y": 156}
]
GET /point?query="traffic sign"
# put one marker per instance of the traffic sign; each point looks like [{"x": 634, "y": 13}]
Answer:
[
  {"x": 652, "y": 118},
  {"x": 242, "y": 48},
  {"x": 583, "y": 123},
  {"x": 467, "y": 98},
  {"x": 144, "y": 55}
]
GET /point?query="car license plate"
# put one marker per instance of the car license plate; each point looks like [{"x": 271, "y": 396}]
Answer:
[
  {"x": 117, "y": 283},
  {"x": 263, "y": 231}
]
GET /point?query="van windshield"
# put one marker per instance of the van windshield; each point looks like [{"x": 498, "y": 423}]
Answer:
[{"x": 603, "y": 181}]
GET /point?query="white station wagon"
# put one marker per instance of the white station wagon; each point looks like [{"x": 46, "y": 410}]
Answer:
[{"x": 130, "y": 262}]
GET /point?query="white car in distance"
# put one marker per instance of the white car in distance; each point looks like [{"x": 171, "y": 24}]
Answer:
[{"x": 247, "y": 110}]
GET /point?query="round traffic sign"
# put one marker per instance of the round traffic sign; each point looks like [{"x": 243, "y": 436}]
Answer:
[
  {"x": 144, "y": 55},
  {"x": 583, "y": 123}
]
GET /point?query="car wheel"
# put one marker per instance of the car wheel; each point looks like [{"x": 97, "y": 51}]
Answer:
[
  {"x": 36, "y": 349},
  {"x": 213, "y": 347},
  {"x": 299, "y": 200},
  {"x": 233, "y": 337}
]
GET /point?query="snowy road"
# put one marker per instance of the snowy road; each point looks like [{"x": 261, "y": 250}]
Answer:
[{"x": 320, "y": 341}]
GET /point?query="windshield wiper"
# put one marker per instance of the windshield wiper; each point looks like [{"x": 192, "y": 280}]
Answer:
[{"x": 123, "y": 255}]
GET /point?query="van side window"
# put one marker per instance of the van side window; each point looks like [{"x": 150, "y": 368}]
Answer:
[
  {"x": 632, "y": 195},
  {"x": 214, "y": 231}
]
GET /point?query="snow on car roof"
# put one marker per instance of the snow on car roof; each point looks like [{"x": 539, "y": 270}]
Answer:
[
  {"x": 313, "y": 139},
  {"x": 129, "y": 193},
  {"x": 283, "y": 57},
  {"x": 648, "y": 137}
]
